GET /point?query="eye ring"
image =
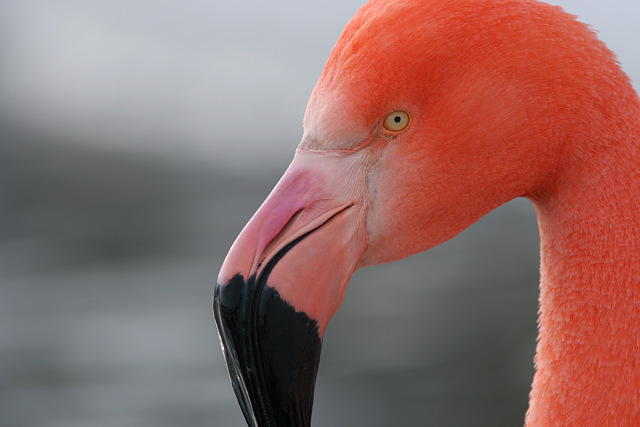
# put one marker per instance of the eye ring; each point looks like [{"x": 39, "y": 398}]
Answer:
[{"x": 396, "y": 121}]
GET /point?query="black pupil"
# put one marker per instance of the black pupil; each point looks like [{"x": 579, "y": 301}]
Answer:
[{"x": 397, "y": 119}]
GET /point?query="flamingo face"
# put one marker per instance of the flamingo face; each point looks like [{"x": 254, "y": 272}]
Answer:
[{"x": 428, "y": 115}]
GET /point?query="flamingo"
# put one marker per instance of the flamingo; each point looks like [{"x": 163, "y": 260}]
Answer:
[{"x": 428, "y": 115}]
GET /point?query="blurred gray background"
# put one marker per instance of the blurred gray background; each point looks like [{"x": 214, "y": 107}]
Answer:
[{"x": 136, "y": 139}]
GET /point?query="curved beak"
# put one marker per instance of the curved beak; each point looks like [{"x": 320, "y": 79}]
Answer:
[{"x": 283, "y": 279}]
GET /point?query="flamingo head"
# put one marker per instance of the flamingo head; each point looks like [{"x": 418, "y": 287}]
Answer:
[{"x": 428, "y": 115}]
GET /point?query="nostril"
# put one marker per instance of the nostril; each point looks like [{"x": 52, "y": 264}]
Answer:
[
  {"x": 278, "y": 237},
  {"x": 301, "y": 224}
]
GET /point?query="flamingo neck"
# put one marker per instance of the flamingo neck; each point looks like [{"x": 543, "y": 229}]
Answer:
[{"x": 588, "y": 353}]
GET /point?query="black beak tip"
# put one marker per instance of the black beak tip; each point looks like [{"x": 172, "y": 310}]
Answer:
[{"x": 272, "y": 353}]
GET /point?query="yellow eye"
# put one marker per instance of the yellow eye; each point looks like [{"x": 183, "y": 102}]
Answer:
[{"x": 396, "y": 121}]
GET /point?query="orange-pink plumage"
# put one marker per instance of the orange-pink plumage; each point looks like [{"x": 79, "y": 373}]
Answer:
[{"x": 505, "y": 99}]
